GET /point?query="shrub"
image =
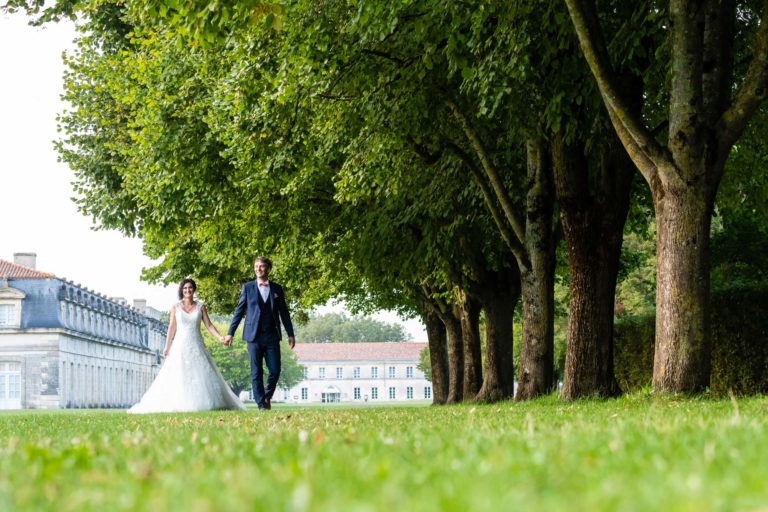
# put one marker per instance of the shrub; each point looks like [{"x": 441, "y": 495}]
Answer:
[{"x": 739, "y": 333}]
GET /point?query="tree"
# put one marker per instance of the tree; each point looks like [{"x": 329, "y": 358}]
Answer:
[
  {"x": 234, "y": 362},
  {"x": 711, "y": 98},
  {"x": 429, "y": 53},
  {"x": 153, "y": 96},
  {"x": 425, "y": 364}
]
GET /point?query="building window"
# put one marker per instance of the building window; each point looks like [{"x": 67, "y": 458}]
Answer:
[
  {"x": 356, "y": 393},
  {"x": 321, "y": 373},
  {"x": 339, "y": 373},
  {"x": 356, "y": 372},
  {"x": 374, "y": 372},
  {"x": 427, "y": 392},
  {"x": 391, "y": 372},
  {"x": 7, "y": 314},
  {"x": 391, "y": 393},
  {"x": 374, "y": 393},
  {"x": 409, "y": 393},
  {"x": 10, "y": 385},
  {"x": 10, "y": 306},
  {"x": 304, "y": 373},
  {"x": 304, "y": 393},
  {"x": 409, "y": 372}
]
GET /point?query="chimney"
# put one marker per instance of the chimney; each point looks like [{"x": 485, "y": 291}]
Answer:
[
  {"x": 140, "y": 304},
  {"x": 25, "y": 259}
]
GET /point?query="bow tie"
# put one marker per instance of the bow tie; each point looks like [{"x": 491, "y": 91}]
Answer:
[{"x": 263, "y": 284}]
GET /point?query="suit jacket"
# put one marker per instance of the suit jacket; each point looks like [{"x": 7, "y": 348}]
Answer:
[{"x": 248, "y": 305}]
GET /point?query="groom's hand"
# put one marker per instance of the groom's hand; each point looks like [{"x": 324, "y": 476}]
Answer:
[
  {"x": 228, "y": 340},
  {"x": 291, "y": 342}
]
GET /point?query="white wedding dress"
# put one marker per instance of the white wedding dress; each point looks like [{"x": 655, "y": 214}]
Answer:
[{"x": 188, "y": 380}]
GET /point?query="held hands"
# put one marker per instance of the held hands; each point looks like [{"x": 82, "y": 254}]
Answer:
[{"x": 227, "y": 340}]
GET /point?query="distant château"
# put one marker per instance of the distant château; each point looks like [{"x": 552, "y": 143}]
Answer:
[
  {"x": 359, "y": 372},
  {"x": 65, "y": 346}
]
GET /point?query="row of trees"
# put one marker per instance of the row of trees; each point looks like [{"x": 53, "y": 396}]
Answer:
[{"x": 430, "y": 157}]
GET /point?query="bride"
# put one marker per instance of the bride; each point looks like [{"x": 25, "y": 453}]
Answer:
[{"x": 189, "y": 379}]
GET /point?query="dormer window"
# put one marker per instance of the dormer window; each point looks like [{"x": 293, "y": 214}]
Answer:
[{"x": 10, "y": 306}]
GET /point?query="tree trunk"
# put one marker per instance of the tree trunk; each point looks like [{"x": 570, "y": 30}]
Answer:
[
  {"x": 499, "y": 303},
  {"x": 708, "y": 112},
  {"x": 455, "y": 359},
  {"x": 536, "y": 372},
  {"x": 470, "y": 329},
  {"x": 589, "y": 354},
  {"x": 682, "y": 355},
  {"x": 438, "y": 357},
  {"x": 593, "y": 226}
]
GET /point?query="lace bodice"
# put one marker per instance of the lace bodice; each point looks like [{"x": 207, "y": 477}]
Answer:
[{"x": 188, "y": 324}]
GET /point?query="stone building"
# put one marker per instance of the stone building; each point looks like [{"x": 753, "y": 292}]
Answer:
[
  {"x": 65, "y": 346},
  {"x": 359, "y": 372}
]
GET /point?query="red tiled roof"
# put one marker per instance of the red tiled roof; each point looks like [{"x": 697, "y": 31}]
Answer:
[
  {"x": 14, "y": 271},
  {"x": 306, "y": 352}
]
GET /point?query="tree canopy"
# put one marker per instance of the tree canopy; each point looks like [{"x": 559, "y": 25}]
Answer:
[{"x": 429, "y": 157}]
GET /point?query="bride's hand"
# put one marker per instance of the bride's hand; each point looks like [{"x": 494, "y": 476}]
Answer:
[{"x": 165, "y": 352}]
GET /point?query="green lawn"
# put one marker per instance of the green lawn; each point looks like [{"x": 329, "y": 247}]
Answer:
[{"x": 636, "y": 453}]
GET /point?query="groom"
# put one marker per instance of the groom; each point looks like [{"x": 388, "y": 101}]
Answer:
[{"x": 263, "y": 304}]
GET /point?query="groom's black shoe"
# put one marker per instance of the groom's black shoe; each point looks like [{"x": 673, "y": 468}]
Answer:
[{"x": 267, "y": 404}]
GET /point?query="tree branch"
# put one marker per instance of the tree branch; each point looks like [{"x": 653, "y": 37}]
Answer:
[
  {"x": 440, "y": 307},
  {"x": 751, "y": 93},
  {"x": 514, "y": 243},
  {"x": 384, "y": 55},
  {"x": 337, "y": 97},
  {"x": 490, "y": 170},
  {"x": 428, "y": 157},
  {"x": 649, "y": 156}
]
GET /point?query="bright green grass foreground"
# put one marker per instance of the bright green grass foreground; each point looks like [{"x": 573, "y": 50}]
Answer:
[{"x": 636, "y": 453}]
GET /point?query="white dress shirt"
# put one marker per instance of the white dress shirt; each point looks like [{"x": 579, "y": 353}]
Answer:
[{"x": 264, "y": 290}]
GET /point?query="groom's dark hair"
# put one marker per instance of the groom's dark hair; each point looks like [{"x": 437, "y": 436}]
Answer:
[
  {"x": 181, "y": 286},
  {"x": 264, "y": 260}
]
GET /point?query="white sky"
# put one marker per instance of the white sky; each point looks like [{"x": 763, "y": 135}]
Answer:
[{"x": 38, "y": 214}]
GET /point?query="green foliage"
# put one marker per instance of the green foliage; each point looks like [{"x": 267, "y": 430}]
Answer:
[
  {"x": 633, "y": 453},
  {"x": 234, "y": 363},
  {"x": 425, "y": 365},
  {"x": 636, "y": 284},
  {"x": 341, "y": 193},
  {"x": 739, "y": 330},
  {"x": 338, "y": 327},
  {"x": 633, "y": 341},
  {"x": 740, "y": 341},
  {"x": 740, "y": 254}
]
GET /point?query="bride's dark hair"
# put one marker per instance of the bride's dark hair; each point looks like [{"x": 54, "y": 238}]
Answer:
[{"x": 181, "y": 286}]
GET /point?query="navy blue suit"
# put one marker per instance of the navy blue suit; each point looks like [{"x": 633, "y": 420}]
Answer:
[{"x": 262, "y": 333}]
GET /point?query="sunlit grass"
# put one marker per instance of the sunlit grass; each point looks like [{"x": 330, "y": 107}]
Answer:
[{"x": 636, "y": 453}]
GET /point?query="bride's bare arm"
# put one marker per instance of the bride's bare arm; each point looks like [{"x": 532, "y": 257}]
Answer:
[
  {"x": 209, "y": 325},
  {"x": 171, "y": 332}
]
